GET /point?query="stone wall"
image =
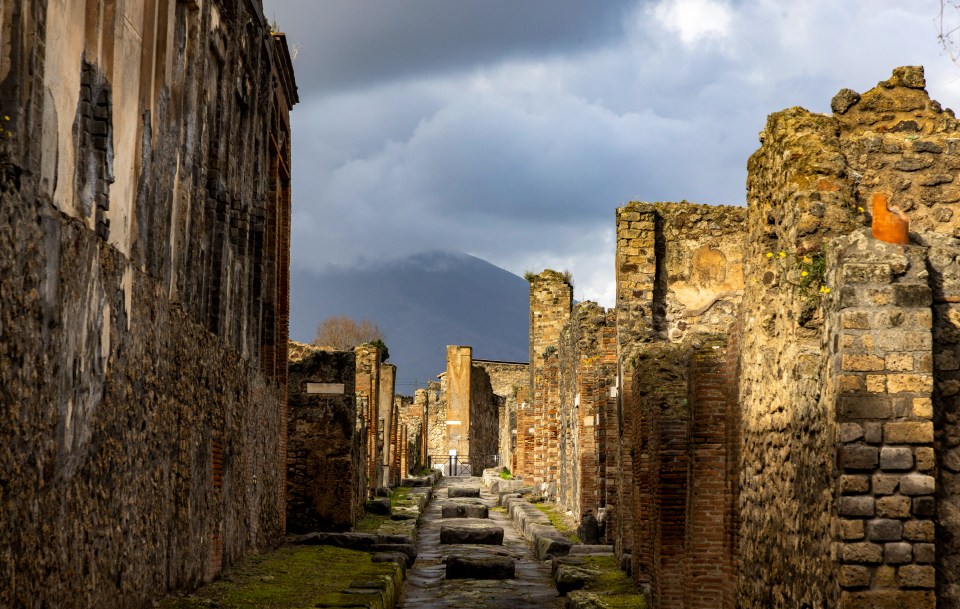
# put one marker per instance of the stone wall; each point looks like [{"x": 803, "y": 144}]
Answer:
[
  {"x": 436, "y": 423},
  {"x": 506, "y": 379},
  {"x": 411, "y": 445},
  {"x": 144, "y": 234},
  {"x": 326, "y": 468},
  {"x": 484, "y": 421},
  {"x": 786, "y": 385}
]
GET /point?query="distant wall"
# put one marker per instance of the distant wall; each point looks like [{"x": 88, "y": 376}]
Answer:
[
  {"x": 326, "y": 468},
  {"x": 506, "y": 378}
]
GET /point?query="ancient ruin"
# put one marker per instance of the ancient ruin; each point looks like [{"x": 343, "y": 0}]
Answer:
[
  {"x": 144, "y": 250},
  {"x": 765, "y": 418},
  {"x": 768, "y": 417}
]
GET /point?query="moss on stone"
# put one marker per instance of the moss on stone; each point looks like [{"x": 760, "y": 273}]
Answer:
[
  {"x": 612, "y": 587},
  {"x": 559, "y": 520},
  {"x": 295, "y": 576}
]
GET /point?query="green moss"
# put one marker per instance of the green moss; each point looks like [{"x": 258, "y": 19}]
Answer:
[
  {"x": 614, "y": 588},
  {"x": 558, "y": 520},
  {"x": 370, "y": 523},
  {"x": 291, "y": 577}
]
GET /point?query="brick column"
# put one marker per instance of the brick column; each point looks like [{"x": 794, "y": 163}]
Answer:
[
  {"x": 636, "y": 268},
  {"x": 551, "y": 299},
  {"x": 882, "y": 354}
]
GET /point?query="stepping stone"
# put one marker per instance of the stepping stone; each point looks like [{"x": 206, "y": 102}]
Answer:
[
  {"x": 464, "y": 511},
  {"x": 457, "y": 533},
  {"x": 463, "y": 491},
  {"x": 407, "y": 549},
  {"x": 493, "y": 567}
]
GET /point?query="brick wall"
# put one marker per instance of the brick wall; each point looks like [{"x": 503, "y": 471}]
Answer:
[{"x": 551, "y": 297}]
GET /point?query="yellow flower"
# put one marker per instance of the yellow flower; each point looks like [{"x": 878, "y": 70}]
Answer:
[
  {"x": 824, "y": 289},
  {"x": 807, "y": 259},
  {"x": 804, "y": 273},
  {"x": 860, "y": 209},
  {"x": 5, "y": 117},
  {"x": 769, "y": 254},
  {"x": 783, "y": 254}
]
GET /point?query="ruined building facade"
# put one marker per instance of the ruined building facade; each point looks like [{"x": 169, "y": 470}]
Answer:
[
  {"x": 768, "y": 416},
  {"x": 470, "y": 413},
  {"x": 144, "y": 245}
]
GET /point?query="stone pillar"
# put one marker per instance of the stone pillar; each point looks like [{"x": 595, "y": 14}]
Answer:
[
  {"x": 436, "y": 425},
  {"x": 881, "y": 347},
  {"x": 636, "y": 269},
  {"x": 368, "y": 399},
  {"x": 459, "y": 368},
  {"x": 551, "y": 299},
  {"x": 388, "y": 376}
]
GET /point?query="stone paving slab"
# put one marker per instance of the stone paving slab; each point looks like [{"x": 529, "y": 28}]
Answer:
[
  {"x": 468, "y": 532},
  {"x": 426, "y": 586}
]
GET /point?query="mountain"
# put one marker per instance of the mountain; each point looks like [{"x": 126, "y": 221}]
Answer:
[{"x": 422, "y": 304}]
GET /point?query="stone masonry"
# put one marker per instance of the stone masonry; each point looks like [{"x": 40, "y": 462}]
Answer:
[
  {"x": 144, "y": 242},
  {"x": 326, "y": 479},
  {"x": 783, "y": 385}
]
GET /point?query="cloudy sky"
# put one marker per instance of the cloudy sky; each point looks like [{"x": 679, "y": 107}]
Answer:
[{"x": 512, "y": 129}]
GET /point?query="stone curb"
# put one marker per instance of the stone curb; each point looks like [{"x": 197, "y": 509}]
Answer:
[
  {"x": 535, "y": 527},
  {"x": 383, "y": 593}
]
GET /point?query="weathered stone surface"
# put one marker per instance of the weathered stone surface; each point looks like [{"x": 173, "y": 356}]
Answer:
[
  {"x": 379, "y": 506},
  {"x": 843, "y": 100},
  {"x": 464, "y": 511},
  {"x": 570, "y": 575},
  {"x": 589, "y": 529},
  {"x": 463, "y": 491},
  {"x": 551, "y": 545},
  {"x": 478, "y": 534},
  {"x": 352, "y": 541},
  {"x": 897, "y": 553},
  {"x": 856, "y": 506},
  {"x": 400, "y": 558},
  {"x": 884, "y": 529},
  {"x": 590, "y": 550},
  {"x": 491, "y": 567},
  {"x": 408, "y": 550},
  {"x": 896, "y": 458},
  {"x": 917, "y": 484},
  {"x": 888, "y": 599}
]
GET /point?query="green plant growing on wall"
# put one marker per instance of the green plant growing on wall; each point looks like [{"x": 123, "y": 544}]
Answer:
[
  {"x": 529, "y": 276},
  {"x": 806, "y": 273},
  {"x": 382, "y": 347},
  {"x": 550, "y": 350}
]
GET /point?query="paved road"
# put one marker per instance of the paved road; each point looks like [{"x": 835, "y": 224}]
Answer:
[{"x": 426, "y": 586}]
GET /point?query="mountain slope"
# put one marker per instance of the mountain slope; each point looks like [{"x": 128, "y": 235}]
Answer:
[{"x": 422, "y": 303}]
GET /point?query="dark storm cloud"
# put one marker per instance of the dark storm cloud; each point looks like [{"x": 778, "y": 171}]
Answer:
[
  {"x": 346, "y": 44},
  {"x": 511, "y": 130}
]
